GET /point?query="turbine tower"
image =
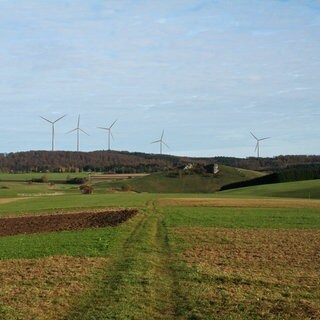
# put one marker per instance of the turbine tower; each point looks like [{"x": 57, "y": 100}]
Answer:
[
  {"x": 78, "y": 129},
  {"x": 52, "y": 126},
  {"x": 258, "y": 143},
  {"x": 161, "y": 142},
  {"x": 109, "y": 132}
]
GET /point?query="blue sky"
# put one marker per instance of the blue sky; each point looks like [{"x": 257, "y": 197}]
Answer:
[{"x": 206, "y": 71}]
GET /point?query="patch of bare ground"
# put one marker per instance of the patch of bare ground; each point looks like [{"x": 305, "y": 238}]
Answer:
[
  {"x": 61, "y": 222},
  {"x": 262, "y": 274},
  {"x": 44, "y": 288},
  {"x": 239, "y": 203},
  {"x": 9, "y": 200}
]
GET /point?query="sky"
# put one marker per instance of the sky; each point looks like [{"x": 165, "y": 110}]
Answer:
[{"x": 207, "y": 72}]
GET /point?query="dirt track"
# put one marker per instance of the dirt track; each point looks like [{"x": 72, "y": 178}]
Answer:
[{"x": 61, "y": 222}]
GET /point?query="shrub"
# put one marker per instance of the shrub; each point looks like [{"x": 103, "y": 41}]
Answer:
[
  {"x": 77, "y": 180},
  {"x": 126, "y": 187},
  {"x": 43, "y": 179},
  {"x": 86, "y": 189}
]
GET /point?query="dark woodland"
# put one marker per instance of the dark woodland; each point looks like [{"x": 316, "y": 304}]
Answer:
[{"x": 126, "y": 162}]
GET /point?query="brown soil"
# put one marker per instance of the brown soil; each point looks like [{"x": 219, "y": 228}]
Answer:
[
  {"x": 61, "y": 222},
  {"x": 44, "y": 288},
  {"x": 269, "y": 274}
]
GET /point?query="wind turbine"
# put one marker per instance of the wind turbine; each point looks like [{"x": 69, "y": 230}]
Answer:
[
  {"x": 52, "y": 126},
  {"x": 161, "y": 142},
  {"x": 109, "y": 132},
  {"x": 258, "y": 143},
  {"x": 78, "y": 129}
]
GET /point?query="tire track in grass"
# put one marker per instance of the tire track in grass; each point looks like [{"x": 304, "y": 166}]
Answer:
[{"x": 140, "y": 284}]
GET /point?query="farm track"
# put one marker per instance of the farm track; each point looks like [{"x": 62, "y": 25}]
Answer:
[{"x": 140, "y": 283}]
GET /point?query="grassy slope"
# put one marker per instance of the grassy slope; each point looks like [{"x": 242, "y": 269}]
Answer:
[
  {"x": 309, "y": 189},
  {"x": 161, "y": 183}
]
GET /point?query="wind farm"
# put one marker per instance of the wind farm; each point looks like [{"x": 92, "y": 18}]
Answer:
[{"x": 110, "y": 136}]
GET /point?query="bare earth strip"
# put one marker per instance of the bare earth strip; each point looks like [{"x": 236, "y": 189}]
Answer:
[
  {"x": 9, "y": 200},
  {"x": 263, "y": 274},
  {"x": 239, "y": 203},
  {"x": 44, "y": 288},
  {"x": 61, "y": 222}
]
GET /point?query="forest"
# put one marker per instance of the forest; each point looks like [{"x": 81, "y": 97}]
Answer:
[{"x": 134, "y": 162}]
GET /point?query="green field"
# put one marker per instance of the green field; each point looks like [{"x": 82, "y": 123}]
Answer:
[
  {"x": 190, "y": 260},
  {"x": 309, "y": 189}
]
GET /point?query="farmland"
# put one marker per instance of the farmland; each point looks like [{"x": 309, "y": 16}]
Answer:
[{"x": 237, "y": 254}]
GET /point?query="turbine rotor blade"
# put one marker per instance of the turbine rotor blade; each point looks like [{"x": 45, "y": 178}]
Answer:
[
  {"x": 79, "y": 121},
  {"x": 156, "y": 141},
  {"x": 162, "y": 134},
  {"x": 254, "y": 135},
  {"x": 75, "y": 129},
  {"x": 103, "y": 128},
  {"x": 256, "y": 148},
  {"x": 264, "y": 138},
  {"x": 165, "y": 144},
  {"x": 59, "y": 118},
  {"x": 113, "y": 124},
  {"x": 84, "y": 132},
  {"x": 46, "y": 120}
]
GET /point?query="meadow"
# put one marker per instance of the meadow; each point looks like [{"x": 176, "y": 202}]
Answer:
[{"x": 238, "y": 254}]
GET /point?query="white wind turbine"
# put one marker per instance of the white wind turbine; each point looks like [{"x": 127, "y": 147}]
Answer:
[
  {"x": 109, "y": 132},
  {"x": 258, "y": 143},
  {"x": 52, "y": 126},
  {"x": 161, "y": 142},
  {"x": 78, "y": 129}
]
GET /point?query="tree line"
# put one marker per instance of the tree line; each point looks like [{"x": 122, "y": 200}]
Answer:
[{"x": 135, "y": 162}]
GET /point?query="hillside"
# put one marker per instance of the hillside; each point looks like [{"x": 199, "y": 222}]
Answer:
[
  {"x": 309, "y": 189},
  {"x": 135, "y": 162},
  {"x": 165, "y": 182}
]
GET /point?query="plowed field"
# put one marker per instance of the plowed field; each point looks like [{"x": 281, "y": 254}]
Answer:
[{"x": 61, "y": 222}]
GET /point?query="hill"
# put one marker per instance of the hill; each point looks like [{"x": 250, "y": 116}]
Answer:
[
  {"x": 309, "y": 189},
  {"x": 180, "y": 181},
  {"x": 135, "y": 162}
]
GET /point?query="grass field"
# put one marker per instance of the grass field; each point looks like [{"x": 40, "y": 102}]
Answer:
[
  {"x": 309, "y": 189},
  {"x": 231, "y": 255}
]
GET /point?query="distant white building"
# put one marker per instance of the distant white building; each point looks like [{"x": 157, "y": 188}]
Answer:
[
  {"x": 215, "y": 168},
  {"x": 188, "y": 166}
]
